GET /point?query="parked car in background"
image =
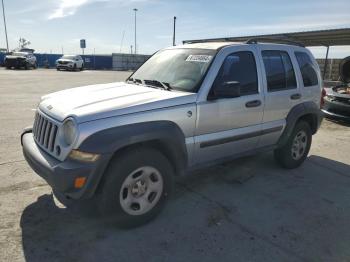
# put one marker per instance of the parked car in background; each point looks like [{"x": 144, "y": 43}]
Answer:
[
  {"x": 20, "y": 60},
  {"x": 185, "y": 108},
  {"x": 337, "y": 98},
  {"x": 70, "y": 62}
]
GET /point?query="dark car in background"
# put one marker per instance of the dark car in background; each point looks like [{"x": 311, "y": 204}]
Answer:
[{"x": 337, "y": 98}]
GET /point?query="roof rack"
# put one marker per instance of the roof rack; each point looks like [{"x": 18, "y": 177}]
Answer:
[{"x": 255, "y": 40}]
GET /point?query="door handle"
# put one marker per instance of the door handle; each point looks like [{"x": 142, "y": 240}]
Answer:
[
  {"x": 254, "y": 103},
  {"x": 295, "y": 96}
]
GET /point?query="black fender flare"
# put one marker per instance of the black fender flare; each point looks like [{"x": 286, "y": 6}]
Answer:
[
  {"x": 166, "y": 133},
  {"x": 297, "y": 112}
]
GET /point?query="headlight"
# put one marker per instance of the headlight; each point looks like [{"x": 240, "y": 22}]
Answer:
[{"x": 69, "y": 131}]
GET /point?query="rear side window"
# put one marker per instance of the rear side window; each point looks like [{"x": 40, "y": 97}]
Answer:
[
  {"x": 240, "y": 67},
  {"x": 279, "y": 70},
  {"x": 307, "y": 69}
]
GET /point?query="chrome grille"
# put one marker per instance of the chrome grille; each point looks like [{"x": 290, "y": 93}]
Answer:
[{"x": 45, "y": 132}]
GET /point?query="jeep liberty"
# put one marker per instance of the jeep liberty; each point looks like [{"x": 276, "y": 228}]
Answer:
[{"x": 187, "y": 107}]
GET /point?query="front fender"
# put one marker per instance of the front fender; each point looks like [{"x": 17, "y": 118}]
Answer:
[{"x": 113, "y": 139}]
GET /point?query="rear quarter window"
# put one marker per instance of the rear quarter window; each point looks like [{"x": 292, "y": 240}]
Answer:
[{"x": 307, "y": 69}]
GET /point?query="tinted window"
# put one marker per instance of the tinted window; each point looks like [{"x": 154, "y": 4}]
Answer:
[
  {"x": 279, "y": 71},
  {"x": 307, "y": 69},
  {"x": 239, "y": 67}
]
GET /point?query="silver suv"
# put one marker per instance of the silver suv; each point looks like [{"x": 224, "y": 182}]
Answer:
[
  {"x": 187, "y": 107},
  {"x": 20, "y": 59}
]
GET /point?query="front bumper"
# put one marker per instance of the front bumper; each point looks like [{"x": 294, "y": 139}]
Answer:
[
  {"x": 15, "y": 62},
  {"x": 64, "y": 66},
  {"x": 337, "y": 110},
  {"x": 61, "y": 175}
]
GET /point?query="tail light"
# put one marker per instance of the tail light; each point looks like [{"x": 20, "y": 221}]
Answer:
[{"x": 323, "y": 94}]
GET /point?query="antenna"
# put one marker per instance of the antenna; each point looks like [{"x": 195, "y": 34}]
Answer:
[{"x": 121, "y": 43}]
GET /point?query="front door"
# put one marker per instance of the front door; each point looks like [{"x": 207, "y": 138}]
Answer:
[{"x": 231, "y": 126}]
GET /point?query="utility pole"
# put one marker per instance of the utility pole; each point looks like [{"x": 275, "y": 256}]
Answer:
[
  {"x": 3, "y": 14},
  {"x": 131, "y": 49},
  {"x": 94, "y": 59},
  {"x": 174, "y": 31},
  {"x": 135, "y": 48}
]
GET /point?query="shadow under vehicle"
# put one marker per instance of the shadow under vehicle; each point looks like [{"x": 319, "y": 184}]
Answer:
[{"x": 213, "y": 215}]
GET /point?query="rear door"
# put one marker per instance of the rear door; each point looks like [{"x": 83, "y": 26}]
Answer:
[
  {"x": 230, "y": 126},
  {"x": 281, "y": 89}
]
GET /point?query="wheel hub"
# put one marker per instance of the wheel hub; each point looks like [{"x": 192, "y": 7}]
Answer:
[
  {"x": 139, "y": 188},
  {"x": 299, "y": 145}
]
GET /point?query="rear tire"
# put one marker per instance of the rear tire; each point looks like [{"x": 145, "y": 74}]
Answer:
[
  {"x": 295, "y": 151},
  {"x": 136, "y": 186}
]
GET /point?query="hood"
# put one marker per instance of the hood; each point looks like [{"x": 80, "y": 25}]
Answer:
[{"x": 107, "y": 100}]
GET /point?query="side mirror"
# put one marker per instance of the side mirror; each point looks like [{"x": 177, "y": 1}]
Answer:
[{"x": 228, "y": 90}]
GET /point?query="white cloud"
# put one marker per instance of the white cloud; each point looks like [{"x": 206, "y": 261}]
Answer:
[
  {"x": 70, "y": 7},
  {"x": 67, "y": 7}
]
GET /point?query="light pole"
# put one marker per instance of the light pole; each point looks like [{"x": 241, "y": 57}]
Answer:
[
  {"x": 174, "y": 33},
  {"x": 135, "y": 47},
  {"x": 3, "y": 14}
]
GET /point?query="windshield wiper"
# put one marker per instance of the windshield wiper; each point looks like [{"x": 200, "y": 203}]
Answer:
[{"x": 156, "y": 83}]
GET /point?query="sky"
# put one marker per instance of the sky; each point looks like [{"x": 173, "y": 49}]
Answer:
[{"x": 55, "y": 25}]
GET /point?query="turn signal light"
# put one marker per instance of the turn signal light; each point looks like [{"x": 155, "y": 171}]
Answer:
[{"x": 79, "y": 182}]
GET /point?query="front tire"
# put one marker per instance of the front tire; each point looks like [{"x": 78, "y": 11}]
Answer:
[
  {"x": 295, "y": 151},
  {"x": 136, "y": 186}
]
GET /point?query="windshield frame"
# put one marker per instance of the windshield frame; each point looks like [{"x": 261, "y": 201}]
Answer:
[
  {"x": 19, "y": 54},
  {"x": 200, "y": 82}
]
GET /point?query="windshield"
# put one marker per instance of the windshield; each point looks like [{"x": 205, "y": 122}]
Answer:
[
  {"x": 180, "y": 69},
  {"x": 68, "y": 57},
  {"x": 19, "y": 54}
]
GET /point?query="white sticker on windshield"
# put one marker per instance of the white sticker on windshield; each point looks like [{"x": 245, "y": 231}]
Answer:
[{"x": 199, "y": 58}]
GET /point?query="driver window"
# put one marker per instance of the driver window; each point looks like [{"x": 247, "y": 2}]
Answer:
[{"x": 240, "y": 67}]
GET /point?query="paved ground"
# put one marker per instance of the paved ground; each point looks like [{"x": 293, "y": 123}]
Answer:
[{"x": 247, "y": 210}]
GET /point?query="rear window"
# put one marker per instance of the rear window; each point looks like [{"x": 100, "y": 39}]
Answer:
[
  {"x": 307, "y": 69},
  {"x": 279, "y": 70}
]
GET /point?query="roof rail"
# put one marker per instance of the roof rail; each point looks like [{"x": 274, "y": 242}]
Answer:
[{"x": 255, "y": 40}]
